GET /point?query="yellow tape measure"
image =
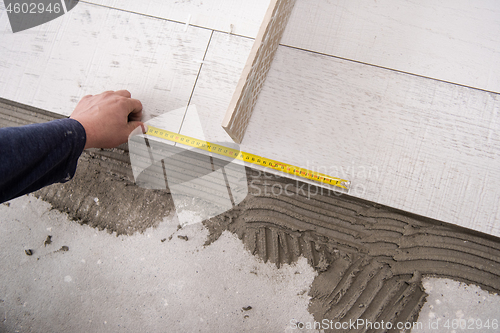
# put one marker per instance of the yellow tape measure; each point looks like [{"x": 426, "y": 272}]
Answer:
[{"x": 247, "y": 157}]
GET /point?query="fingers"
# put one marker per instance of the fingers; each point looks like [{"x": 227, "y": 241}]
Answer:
[
  {"x": 136, "y": 105},
  {"x": 132, "y": 125},
  {"x": 135, "y": 116},
  {"x": 135, "y": 109},
  {"x": 124, "y": 93},
  {"x": 131, "y": 107}
]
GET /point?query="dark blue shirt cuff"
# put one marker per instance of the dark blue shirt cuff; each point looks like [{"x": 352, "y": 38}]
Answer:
[{"x": 37, "y": 155}]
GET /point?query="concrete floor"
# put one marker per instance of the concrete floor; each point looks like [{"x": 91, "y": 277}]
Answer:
[
  {"x": 138, "y": 283},
  {"x": 166, "y": 280}
]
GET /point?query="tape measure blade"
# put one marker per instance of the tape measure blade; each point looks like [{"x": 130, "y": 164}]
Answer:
[
  {"x": 299, "y": 179},
  {"x": 224, "y": 152}
]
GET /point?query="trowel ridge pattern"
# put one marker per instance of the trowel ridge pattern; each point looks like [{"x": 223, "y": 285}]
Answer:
[{"x": 370, "y": 259}]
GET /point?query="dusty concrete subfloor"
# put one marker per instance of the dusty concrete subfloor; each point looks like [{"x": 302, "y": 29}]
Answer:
[{"x": 370, "y": 260}]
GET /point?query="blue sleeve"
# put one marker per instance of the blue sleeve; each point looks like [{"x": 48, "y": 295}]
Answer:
[{"x": 34, "y": 156}]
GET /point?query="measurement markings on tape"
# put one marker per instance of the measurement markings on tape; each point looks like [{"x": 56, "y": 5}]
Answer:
[{"x": 247, "y": 157}]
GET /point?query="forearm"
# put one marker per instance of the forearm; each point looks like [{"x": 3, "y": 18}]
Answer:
[{"x": 37, "y": 155}]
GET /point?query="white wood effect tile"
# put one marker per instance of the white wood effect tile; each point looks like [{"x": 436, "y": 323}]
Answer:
[
  {"x": 222, "y": 68},
  {"x": 255, "y": 71},
  {"x": 451, "y": 40},
  {"x": 92, "y": 49},
  {"x": 223, "y": 65},
  {"x": 420, "y": 145},
  {"x": 412, "y": 143},
  {"x": 240, "y": 17}
]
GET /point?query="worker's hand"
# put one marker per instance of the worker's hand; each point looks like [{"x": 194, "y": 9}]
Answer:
[{"x": 108, "y": 118}]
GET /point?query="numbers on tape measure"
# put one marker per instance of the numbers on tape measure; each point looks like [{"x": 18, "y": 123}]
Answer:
[{"x": 254, "y": 159}]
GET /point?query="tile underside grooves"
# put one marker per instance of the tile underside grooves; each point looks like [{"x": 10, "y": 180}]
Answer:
[{"x": 370, "y": 258}]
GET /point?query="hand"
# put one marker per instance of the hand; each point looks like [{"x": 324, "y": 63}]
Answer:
[{"x": 108, "y": 118}]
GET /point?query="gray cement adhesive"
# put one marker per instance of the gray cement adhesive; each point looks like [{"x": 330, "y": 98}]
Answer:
[
  {"x": 372, "y": 262},
  {"x": 370, "y": 259}
]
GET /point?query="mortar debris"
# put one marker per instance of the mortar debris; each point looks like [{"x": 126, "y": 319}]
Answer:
[{"x": 63, "y": 248}]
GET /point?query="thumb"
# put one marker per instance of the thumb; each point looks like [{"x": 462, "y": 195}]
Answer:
[{"x": 132, "y": 125}]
